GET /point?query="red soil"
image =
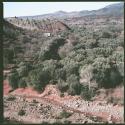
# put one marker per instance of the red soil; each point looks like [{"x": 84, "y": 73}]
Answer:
[{"x": 52, "y": 93}]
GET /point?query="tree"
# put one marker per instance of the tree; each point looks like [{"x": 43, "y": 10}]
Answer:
[
  {"x": 62, "y": 85},
  {"x": 74, "y": 85},
  {"x": 101, "y": 71},
  {"x": 49, "y": 50},
  {"x": 64, "y": 50},
  {"x": 24, "y": 69},
  {"x": 22, "y": 83},
  {"x": 86, "y": 74}
]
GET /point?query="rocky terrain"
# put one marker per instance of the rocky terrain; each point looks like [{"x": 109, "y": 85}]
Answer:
[
  {"x": 48, "y": 107},
  {"x": 45, "y": 26}
]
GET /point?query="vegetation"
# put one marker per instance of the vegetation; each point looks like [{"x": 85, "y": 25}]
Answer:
[
  {"x": 14, "y": 79},
  {"x": 65, "y": 114},
  {"x": 11, "y": 98},
  {"x": 78, "y": 61},
  {"x": 21, "y": 112}
]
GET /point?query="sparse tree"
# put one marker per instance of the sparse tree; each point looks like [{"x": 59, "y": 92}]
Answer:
[{"x": 86, "y": 75}]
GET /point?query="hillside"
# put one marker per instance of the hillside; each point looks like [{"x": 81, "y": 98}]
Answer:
[
  {"x": 45, "y": 26},
  {"x": 55, "y": 69}
]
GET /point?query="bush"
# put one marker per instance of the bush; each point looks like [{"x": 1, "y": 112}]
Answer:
[
  {"x": 24, "y": 69},
  {"x": 71, "y": 91},
  {"x": 91, "y": 43},
  {"x": 108, "y": 43},
  {"x": 61, "y": 94},
  {"x": 38, "y": 78},
  {"x": 35, "y": 101},
  {"x": 71, "y": 68},
  {"x": 77, "y": 55},
  {"x": 87, "y": 93},
  {"x": 74, "y": 85},
  {"x": 115, "y": 100},
  {"x": 86, "y": 74},
  {"x": 65, "y": 114},
  {"x": 21, "y": 112},
  {"x": 8, "y": 56},
  {"x": 60, "y": 73},
  {"x": 106, "y": 34},
  {"x": 49, "y": 50},
  {"x": 106, "y": 74},
  {"x": 105, "y": 52},
  {"x": 11, "y": 98},
  {"x": 14, "y": 79},
  {"x": 117, "y": 56},
  {"x": 25, "y": 39},
  {"x": 101, "y": 71},
  {"x": 115, "y": 78},
  {"x": 64, "y": 50},
  {"x": 22, "y": 83},
  {"x": 63, "y": 86},
  {"x": 120, "y": 67},
  {"x": 53, "y": 67}
]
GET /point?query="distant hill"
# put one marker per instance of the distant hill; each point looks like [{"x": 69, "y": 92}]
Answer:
[
  {"x": 114, "y": 9},
  {"x": 110, "y": 10}
]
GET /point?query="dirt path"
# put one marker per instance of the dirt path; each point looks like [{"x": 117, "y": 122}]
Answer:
[
  {"x": 105, "y": 112},
  {"x": 102, "y": 116}
]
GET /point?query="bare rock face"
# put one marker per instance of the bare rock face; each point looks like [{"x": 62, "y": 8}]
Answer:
[{"x": 47, "y": 25}]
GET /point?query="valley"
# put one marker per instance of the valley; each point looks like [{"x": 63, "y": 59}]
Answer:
[{"x": 64, "y": 67}]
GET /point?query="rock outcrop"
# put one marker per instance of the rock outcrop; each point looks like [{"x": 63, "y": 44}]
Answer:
[{"x": 47, "y": 25}]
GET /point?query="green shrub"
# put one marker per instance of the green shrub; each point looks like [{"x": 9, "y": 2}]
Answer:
[
  {"x": 117, "y": 56},
  {"x": 86, "y": 76},
  {"x": 87, "y": 93},
  {"x": 71, "y": 68},
  {"x": 65, "y": 114},
  {"x": 11, "y": 98},
  {"x": 71, "y": 91},
  {"x": 49, "y": 50},
  {"x": 38, "y": 78},
  {"x": 106, "y": 34},
  {"x": 24, "y": 69},
  {"x": 64, "y": 50},
  {"x": 63, "y": 86},
  {"x": 106, "y": 74},
  {"x": 25, "y": 39},
  {"x": 115, "y": 100},
  {"x": 120, "y": 67},
  {"x": 35, "y": 101},
  {"x": 108, "y": 43},
  {"x": 21, "y": 112},
  {"x": 14, "y": 79},
  {"x": 105, "y": 52},
  {"x": 74, "y": 85},
  {"x": 91, "y": 43},
  {"x": 61, "y": 94},
  {"x": 60, "y": 73},
  {"x": 115, "y": 78},
  {"x": 53, "y": 67},
  {"x": 8, "y": 55},
  {"x": 22, "y": 83}
]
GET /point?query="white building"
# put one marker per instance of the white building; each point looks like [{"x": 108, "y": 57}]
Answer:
[{"x": 47, "y": 34}]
